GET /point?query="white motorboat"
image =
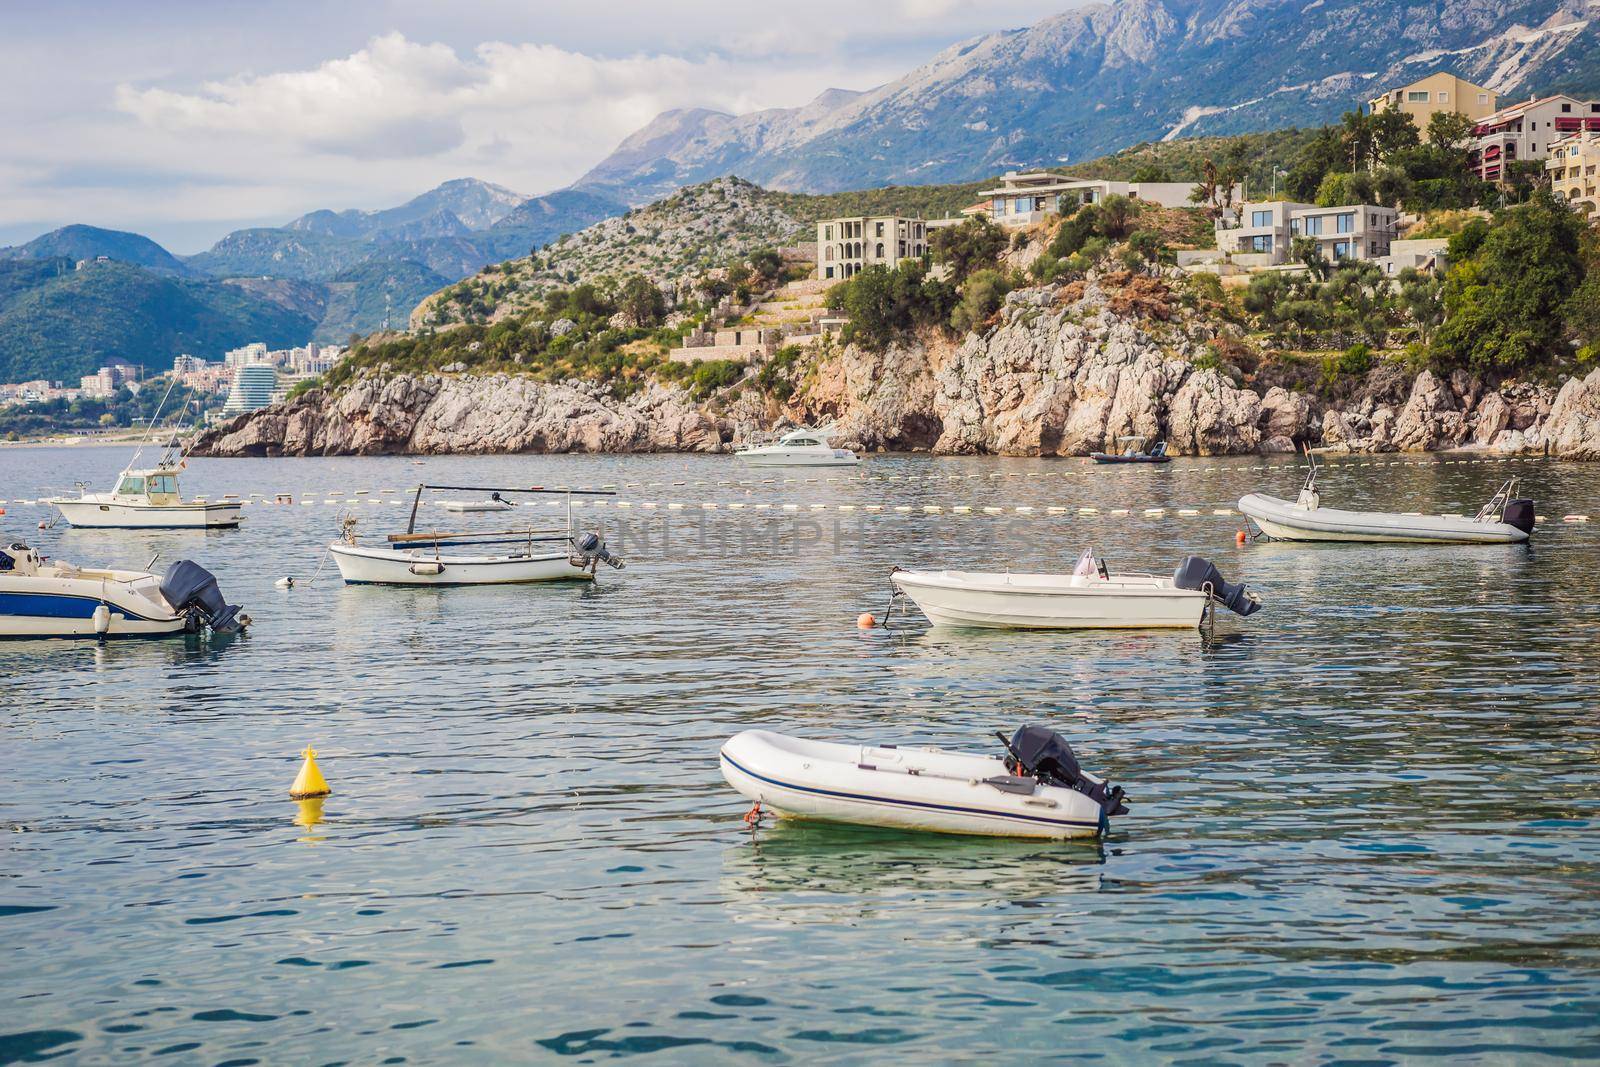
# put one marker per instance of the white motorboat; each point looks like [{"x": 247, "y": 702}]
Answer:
[
  {"x": 473, "y": 506},
  {"x": 1505, "y": 519},
  {"x": 496, "y": 557},
  {"x": 1038, "y": 791},
  {"x": 148, "y": 498},
  {"x": 1091, "y": 597},
  {"x": 799, "y": 448},
  {"x": 44, "y": 598}
]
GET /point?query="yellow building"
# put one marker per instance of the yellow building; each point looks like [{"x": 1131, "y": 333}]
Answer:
[
  {"x": 1438, "y": 92},
  {"x": 1574, "y": 167}
]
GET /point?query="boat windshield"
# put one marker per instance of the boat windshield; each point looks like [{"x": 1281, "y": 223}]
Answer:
[
  {"x": 800, "y": 442},
  {"x": 131, "y": 485},
  {"x": 163, "y": 483}
]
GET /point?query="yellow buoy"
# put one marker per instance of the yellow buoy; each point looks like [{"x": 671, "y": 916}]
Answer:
[{"x": 309, "y": 782}]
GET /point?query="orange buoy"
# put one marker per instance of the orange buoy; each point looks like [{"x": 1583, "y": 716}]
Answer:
[
  {"x": 1240, "y": 538},
  {"x": 865, "y": 621}
]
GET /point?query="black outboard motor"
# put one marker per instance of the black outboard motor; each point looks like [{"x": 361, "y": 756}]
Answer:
[
  {"x": 1044, "y": 754},
  {"x": 1518, "y": 513},
  {"x": 589, "y": 551},
  {"x": 1197, "y": 573},
  {"x": 190, "y": 588}
]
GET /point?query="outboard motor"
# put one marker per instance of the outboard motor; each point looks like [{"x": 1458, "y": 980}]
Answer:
[
  {"x": 1197, "y": 573},
  {"x": 1518, "y": 513},
  {"x": 1044, "y": 754},
  {"x": 590, "y": 551},
  {"x": 191, "y": 589}
]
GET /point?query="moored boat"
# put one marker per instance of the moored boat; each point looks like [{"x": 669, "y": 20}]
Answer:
[
  {"x": 799, "y": 448},
  {"x": 1133, "y": 452},
  {"x": 53, "y": 598},
  {"x": 1037, "y": 790},
  {"x": 146, "y": 499},
  {"x": 1505, "y": 519},
  {"x": 494, "y": 557},
  {"x": 1092, "y": 597}
]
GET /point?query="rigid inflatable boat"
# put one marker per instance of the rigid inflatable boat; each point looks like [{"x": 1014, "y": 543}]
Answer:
[
  {"x": 1505, "y": 519},
  {"x": 1091, "y": 597},
  {"x": 1036, "y": 790},
  {"x": 1133, "y": 452}
]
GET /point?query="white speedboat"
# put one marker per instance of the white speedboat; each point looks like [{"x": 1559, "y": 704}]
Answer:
[
  {"x": 496, "y": 557},
  {"x": 1039, "y": 791},
  {"x": 146, "y": 500},
  {"x": 799, "y": 448},
  {"x": 1505, "y": 519},
  {"x": 44, "y": 598},
  {"x": 1089, "y": 598}
]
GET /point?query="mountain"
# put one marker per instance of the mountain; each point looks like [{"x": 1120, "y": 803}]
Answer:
[
  {"x": 59, "y": 322},
  {"x": 1101, "y": 77},
  {"x": 471, "y": 203},
  {"x": 361, "y": 298},
  {"x": 453, "y": 230},
  {"x": 91, "y": 242}
]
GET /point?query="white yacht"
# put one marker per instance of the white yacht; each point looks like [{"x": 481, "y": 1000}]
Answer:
[
  {"x": 146, "y": 499},
  {"x": 799, "y": 448}
]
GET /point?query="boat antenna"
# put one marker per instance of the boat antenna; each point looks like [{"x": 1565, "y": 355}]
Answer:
[{"x": 153, "y": 425}]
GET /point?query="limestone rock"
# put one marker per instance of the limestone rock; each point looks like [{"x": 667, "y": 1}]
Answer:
[
  {"x": 1209, "y": 416},
  {"x": 1573, "y": 429}
]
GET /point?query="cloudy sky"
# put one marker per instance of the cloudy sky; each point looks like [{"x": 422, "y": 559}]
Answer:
[{"x": 184, "y": 120}]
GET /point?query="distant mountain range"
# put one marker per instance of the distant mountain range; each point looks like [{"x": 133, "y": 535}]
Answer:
[
  {"x": 1102, "y": 77},
  {"x": 322, "y": 277}
]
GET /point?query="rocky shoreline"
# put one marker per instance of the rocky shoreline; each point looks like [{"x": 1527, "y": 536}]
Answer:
[{"x": 1063, "y": 371}]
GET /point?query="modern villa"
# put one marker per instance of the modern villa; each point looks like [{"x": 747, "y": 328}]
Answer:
[
  {"x": 1022, "y": 199},
  {"x": 1263, "y": 234},
  {"x": 846, "y": 246}
]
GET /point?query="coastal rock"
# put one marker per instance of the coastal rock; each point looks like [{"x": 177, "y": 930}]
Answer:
[
  {"x": 1285, "y": 413},
  {"x": 1430, "y": 418},
  {"x": 1573, "y": 429},
  {"x": 1211, "y": 417},
  {"x": 1492, "y": 416}
]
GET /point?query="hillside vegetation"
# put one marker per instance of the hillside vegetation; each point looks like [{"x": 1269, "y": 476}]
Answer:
[{"x": 60, "y": 323}]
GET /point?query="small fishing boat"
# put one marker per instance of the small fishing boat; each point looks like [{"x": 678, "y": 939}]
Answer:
[
  {"x": 799, "y": 448},
  {"x": 495, "y": 557},
  {"x": 1091, "y": 597},
  {"x": 45, "y": 598},
  {"x": 1036, "y": 790},
  {"x": 1505, "y": 519},
  {"x": 1133, "y": 452},
  {"x": 148, "y": 498},
  {"x": 472, "y": 506}
]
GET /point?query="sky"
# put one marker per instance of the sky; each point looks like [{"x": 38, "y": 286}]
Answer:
[{"x": 185, "y": 120}]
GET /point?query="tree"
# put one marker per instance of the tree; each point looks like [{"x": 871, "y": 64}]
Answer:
[
  {"x": 641, "y": 300},
  {"x": 767, "y": 263},
  {"x": 1214, "y": 192},
  {"x": 1449, "y": 130},
  {"x": 974, "y": 244},
  {"x": 1422, "y": 297},
  {"x": 984, "y": 294},
  {"x": 1337, "y": 189},
  {"x": 1116, "y": 216},
  {"x": 1504, "y": 303},
  {"x": 1147, "y": 245}
]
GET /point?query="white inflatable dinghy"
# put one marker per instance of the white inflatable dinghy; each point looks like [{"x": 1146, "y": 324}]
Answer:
[
  {"x": 1505, "y": 519},
  {"x": 1038, "y": 791}
]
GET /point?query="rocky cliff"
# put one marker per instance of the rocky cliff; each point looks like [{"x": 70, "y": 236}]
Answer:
[{"x": 1060, "y": 371}]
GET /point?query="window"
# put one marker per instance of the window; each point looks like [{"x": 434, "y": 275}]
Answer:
[
  {"x": 827, "y": 233},
  {"x": 1565, "y": 108},
  {"x": 880, "y": 249},
  {"x": 1417, "y": 96},
  {"x": 1444, "y": 98},
  {"x": 828, "y": 255},
  {"x": 1483, "y": 99},
  {"x": 1260, "y": 219},
  {"x": 880, "y": 231},
  {"x": 1294, "y": 227},
  {"x": 1314, "y": 225},
  {"x": 132, "y": 485},
  {"x": 1345, "y": 223},
  {"x": 997, "y": 208},
  {"x": 1341, "y": 250},
  {"x": 1261, "y": 243},
  {"x": 828, "y": 273}
]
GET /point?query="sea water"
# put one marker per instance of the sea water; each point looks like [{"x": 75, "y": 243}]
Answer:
[{"x": 1362, "y": 826}]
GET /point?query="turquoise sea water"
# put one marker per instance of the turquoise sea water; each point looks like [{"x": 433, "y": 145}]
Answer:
[{"x": 1362, "y": 829}]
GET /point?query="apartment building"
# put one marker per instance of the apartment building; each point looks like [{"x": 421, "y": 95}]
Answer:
[
  {"x": 1022, "y": 199},
  {"x": 846, "y": 246},
  {"x": 1263, "y": 234},
  {"x": 1574, "y": 167},
  {"x": 1525, "y": 131},
  {"x": 1426, "y": 97}
]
